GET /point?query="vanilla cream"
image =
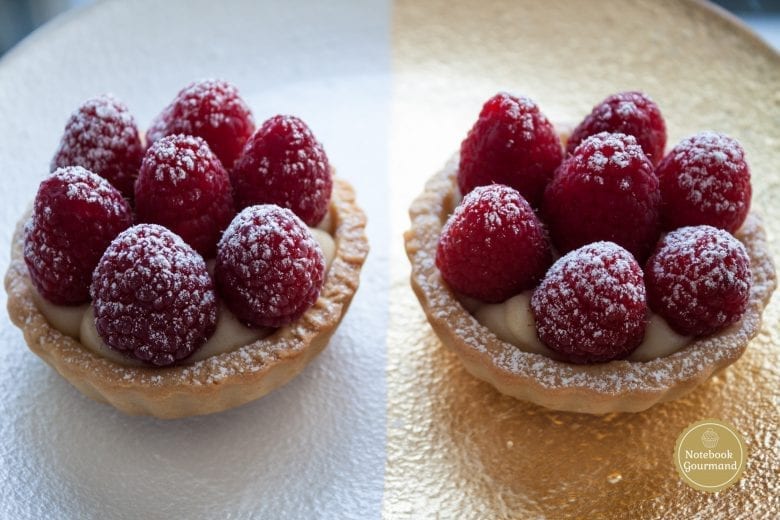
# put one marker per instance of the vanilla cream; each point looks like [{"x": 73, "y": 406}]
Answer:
[
  {"x": 512, "y": 321},
  {"x": 230, "y": 334}
]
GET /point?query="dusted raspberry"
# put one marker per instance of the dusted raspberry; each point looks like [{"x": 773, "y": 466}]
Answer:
[
  {"x": 269, "y": 267},
  {"x": 102, "y": 137},
  {"x": 493, "y": 245},
  {"x": 211, "y": 109},
  {"x": 591, "y": 306},
  {"x": 511, "y": 143},
  {"x": 606, "y": 190},
  {"x": 154, "y": 300},
  {"x": 75, "y": 216},
  {"x": 699, "y": 280},
  {"x": 284, "y": 164},
  {"x": 184, "y": 187},
  {"x": 630, "y": 113},
  {"x": 705, "y": 180}
]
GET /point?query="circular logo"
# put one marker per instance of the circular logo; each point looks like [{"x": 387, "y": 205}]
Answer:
[{"x": 710, "y": 455}]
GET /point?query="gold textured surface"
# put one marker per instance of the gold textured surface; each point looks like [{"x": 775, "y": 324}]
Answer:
[{"x": 457, "y": 448}]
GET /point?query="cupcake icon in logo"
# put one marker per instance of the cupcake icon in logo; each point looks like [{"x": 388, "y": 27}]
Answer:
[{"x": 709, "y": 438}]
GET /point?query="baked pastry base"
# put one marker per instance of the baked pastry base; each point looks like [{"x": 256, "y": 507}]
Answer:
[
  {"x": 217, "y": 383},
  {"x": 617, "y": 386}
]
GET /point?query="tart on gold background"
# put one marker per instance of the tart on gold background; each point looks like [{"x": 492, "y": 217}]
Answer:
[
  {"x": 497, "y": 335},
  {"x": 156, "y": 329}
]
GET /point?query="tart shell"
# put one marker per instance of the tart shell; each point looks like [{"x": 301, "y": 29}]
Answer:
[
  {"x": 216, "y": 383},
  {"x": 617, "y": 386}
]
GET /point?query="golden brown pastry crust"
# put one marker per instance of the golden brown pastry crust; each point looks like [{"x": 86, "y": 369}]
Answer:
[
  {"x": 617, "y": 386},
  {"x": 216, "y": 383}
]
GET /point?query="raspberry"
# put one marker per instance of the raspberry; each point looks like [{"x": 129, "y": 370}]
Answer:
[
  {"x": 211, "y": 109},
  {"x": 699, "y": 280},
  {"x": 631, "y": 113},
  {"x": 511, "y": 143},
  {"x": 284, "y": 164},
  {"x": 183, "y": 186},
  {"x": 606, "y": 190},
  {"x": 154, "y": 300},
  {"x": 493, "y": 245},
  {"x": 102, "y": 137},
  {"x": 705, "y": 180},
  {"x": 75, "y": 216},
  {"x": 591, "y": 306},
  {"x": 269, "y": 267}
]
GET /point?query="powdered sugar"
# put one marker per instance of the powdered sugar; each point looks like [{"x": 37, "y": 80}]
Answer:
[
  {"x": 511, "y": 143},
  {"x": 521, "y": 109},
  {"x": 220, "y": 98},
  {"x": 102, "y": 136},
  {"x": 699, "y": 279},
  {"x": 76, "y": 215},
  {"x": 493, "y": 245},
  {"x": 211, "y": 109},
  {"x": 499, "y": 208},
  {"x": 153, "y": 296},
  {"x": 284, "y": 164},
  {"x": 609, "y": 149},
  {"x": 605, "y": 190},
  {"x": 183, "y": 186},
  {"x": 623, "y": 108},
  {"x": 697, "y": 159},
  {"x": 83, "y": 185},
  {"x": 597, "y": 161},
  {"x": 591, "y": 305},
  {"x": 176, "y": 157},
  {"x": 630, "y": 113},
  {"x": 627, "y": 107},
  {"x": 216, "y": 98},
  {"x": 269, "y": 267}
]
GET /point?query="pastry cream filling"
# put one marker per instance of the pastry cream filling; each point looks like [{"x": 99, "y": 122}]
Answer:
[
  {"x": 64, "y": 318},
  {"x": 512, "y": 321},
  {"x": 230, "y": 334}
]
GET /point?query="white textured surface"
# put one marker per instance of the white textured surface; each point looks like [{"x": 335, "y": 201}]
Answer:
[{"x": 315, "y": 448}]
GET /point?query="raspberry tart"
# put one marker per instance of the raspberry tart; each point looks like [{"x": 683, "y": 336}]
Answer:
[
  {"x": 630, "y": 285},
  {"x": 171, "y": 302}
]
